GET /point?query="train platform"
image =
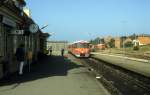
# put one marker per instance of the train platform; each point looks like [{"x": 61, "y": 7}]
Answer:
[
  {"x": 55, "y": 75},
  {"x": 140, "y": 66}
]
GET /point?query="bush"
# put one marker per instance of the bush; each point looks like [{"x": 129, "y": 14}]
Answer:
[
  {"x": 128, "y": 44},
  {"x": 136, "y": 48}
]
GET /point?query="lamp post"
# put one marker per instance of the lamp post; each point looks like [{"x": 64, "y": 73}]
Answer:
[
  {"x": 124, "y": 28},
  {"x": 44, "y": 26},
  {"x": 33, "y": 28}
]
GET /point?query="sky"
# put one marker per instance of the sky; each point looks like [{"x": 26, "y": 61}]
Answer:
[{"x": 73, "y": 20}]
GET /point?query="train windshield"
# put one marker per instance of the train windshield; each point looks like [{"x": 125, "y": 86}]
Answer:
[{"x": 82, "y": 45}]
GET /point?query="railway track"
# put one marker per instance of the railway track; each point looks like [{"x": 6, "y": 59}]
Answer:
[{"x": 117, "y": 80}]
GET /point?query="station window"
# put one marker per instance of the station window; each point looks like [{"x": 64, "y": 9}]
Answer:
[
  {"x": 1, "y": 41},
  {"x": 8, "y": 40}
]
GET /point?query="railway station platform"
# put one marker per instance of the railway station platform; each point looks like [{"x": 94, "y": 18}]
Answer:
[
  {"x": 140, "y": 66},
  {"x": 55, "y": 75}
]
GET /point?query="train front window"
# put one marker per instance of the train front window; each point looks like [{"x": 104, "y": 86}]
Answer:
[{"x": 82, "y": 45}]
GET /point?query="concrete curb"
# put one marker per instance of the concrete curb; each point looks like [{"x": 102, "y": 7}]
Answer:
[{"x": 134, "y": 59}]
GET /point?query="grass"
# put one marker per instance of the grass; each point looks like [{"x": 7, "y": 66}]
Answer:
[
  {"x": 145, "y": 48},
  {"x": 143, "y": 52},
  {"x": 142, "y": 49}
]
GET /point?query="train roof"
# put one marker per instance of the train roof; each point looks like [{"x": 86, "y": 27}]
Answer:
[{"x": 81, "y": 41}]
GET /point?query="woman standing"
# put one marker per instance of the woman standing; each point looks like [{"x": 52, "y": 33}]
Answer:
[{"x": 20, "y": 54}]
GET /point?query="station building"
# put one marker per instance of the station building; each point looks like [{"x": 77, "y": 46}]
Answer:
[{"x": 14, "y": 30}]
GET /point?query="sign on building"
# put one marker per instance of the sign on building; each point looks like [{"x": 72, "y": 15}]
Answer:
[
  {"x": 17, "y": 32},
  {"x": 9, "y": 22}
]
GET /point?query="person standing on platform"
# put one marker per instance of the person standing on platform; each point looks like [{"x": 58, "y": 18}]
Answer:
[
  {"x": 50, "y": 50},
  {"x": 62, "y": 52},
  {"x": 29, "y": 58},
  {"x": 20, "y": 54}
]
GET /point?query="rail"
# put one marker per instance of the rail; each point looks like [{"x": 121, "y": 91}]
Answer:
[{"x": 117, "y": 79}]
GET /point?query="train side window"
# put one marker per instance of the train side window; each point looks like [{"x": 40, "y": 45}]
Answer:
[{"x": 75, "y": 45}]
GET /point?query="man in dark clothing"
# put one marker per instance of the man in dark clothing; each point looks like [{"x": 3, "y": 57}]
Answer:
[
  {"x": 62, "y": 52},
  {"x": 50, "y": 51},
  {"x": 20, "y": 54}
]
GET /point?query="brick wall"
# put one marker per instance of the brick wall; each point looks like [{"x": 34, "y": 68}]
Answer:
[{"x": 144, "y": 40}]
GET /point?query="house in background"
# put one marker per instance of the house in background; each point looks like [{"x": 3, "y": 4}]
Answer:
[
  {"x": 117, "y": 42},
  {"x": 144, "y": 39}
]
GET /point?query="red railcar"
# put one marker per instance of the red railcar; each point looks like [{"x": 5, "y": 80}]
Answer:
[{"x": 80, "y": 49}]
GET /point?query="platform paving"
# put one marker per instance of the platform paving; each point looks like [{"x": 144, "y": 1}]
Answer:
[
  {"x": 140, "y": 66},
  {"x": 54, "y": 75}
]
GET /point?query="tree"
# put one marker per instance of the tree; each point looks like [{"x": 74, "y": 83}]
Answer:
[
  {"x": 123, "y": 38},
  {"x": 95, "y": 41},
  {"x": 111, "y": 43},
  {"x": 128, "y": 44},
  {"x": 102, "y": 41}
]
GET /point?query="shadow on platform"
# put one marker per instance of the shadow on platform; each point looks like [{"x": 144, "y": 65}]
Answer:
[{"x": 48, "y": 67}]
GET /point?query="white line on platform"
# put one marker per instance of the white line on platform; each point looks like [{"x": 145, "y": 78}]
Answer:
[{"x": 135, "y": 59}]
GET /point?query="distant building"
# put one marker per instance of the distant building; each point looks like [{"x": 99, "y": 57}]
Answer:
[
  {"x": 144, "y": 39},
  {"x": 135, "y": 42},
  {"x": 127, "y": 40},
  {"x": 57, "y": 45},
  {"x": 117, "y": 42},
  {"x": 107, "y": 39},
  {"x": 100, "y": 46}
]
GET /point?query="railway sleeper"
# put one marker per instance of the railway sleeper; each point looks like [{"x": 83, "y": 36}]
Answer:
[{"x": 127, "y": 79}]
